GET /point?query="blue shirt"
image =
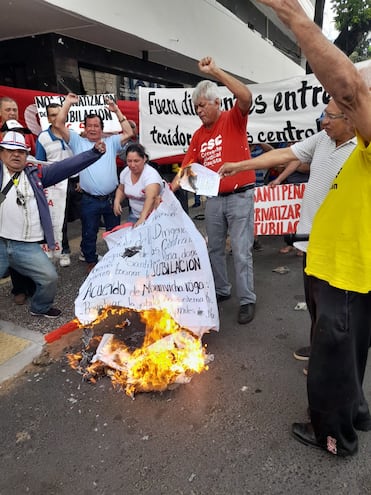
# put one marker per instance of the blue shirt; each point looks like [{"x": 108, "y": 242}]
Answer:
[
  {"x": 100, "y": 178},
  {"x": 51, "y": 148}
]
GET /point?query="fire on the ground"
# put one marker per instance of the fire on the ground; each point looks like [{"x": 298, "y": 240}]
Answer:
[{"x": 141, "y": 351}]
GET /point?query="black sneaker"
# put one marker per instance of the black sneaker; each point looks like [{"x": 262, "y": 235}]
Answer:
[
  {"x": 51, "y": 313},
  {"x": 302, "y": 354},
  {"x": 246, "y": 313}
]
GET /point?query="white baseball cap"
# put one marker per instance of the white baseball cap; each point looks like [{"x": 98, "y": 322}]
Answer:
[
  {"x": 14, "y": 125},
  {"x": 14, "y": 141}
]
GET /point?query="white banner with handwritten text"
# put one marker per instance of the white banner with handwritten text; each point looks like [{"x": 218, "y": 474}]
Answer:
[{"x": 161, "y": 264}]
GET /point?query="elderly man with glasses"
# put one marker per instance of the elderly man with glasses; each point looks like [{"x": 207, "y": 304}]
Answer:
[
  {"x": 338, "y": 256},
  {"x": 325, "y": 152}
]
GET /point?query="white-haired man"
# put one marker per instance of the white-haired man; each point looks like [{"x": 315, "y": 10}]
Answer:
[{"x": 222, "y": 137}]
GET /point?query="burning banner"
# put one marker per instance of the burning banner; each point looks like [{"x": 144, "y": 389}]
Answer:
[
  {"x": 144, "y": 351},
  {"x": 156, "y": 283}
]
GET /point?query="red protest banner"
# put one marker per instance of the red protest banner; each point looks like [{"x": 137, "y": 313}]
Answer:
[{"x": 277, "y": 209}]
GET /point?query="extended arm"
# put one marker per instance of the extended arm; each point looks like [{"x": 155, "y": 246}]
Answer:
[
  {"x": 335, "y": 71},
  {"x": 239, "y": 90},
  {"x": 61, "y": 119},
  {"x": 152, "y": 192},
  {"x": 127, "y": 131},
  {"x": 266, "y": 147},
  {"x": 267, "y": 160},
  {"x": 288, "y": 170},
  {"x": 119, "y": 198},
  {"x": 57, "y": 171}
]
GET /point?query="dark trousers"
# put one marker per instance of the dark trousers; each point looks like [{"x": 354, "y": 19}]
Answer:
[
  {"x": 21, "y": 283},
  {"x": 92, "y": 210},
  {"x": 340, "y": 342},
  {"x": 309, "y": 297}
]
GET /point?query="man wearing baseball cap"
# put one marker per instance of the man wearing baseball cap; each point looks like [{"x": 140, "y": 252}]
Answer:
[
  {"x": 24, "y": 215},
  {"x": 14, "y": 125},
  {"x": 23, "y": 287}
]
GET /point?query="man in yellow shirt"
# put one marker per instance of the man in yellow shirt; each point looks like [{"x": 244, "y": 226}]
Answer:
[{"x": 339, "y": 257}]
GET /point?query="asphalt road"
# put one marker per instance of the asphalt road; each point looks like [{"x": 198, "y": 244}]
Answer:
[{"x": 224, "y": 433}]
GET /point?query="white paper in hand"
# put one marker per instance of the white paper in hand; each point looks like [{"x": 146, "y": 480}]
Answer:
[{"x": 202, "y": 181}]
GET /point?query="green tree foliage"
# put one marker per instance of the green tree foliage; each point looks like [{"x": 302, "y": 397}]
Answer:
[{"x": 353, "y": 21}]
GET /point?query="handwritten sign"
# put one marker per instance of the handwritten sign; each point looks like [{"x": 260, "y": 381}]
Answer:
[
  {"x": 75, "y": 120},
  {"x": 277, "y": 209},
  {"x": 162, "y": 264}
]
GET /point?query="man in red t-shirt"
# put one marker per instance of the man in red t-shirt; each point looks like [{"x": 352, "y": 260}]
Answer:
[{"x": 222, "y": 138}]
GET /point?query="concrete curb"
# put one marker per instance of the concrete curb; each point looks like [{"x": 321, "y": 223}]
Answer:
[{"x": 23, "y": 358}]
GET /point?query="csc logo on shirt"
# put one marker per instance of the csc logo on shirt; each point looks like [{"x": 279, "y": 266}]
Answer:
[{"x": 211, "y": 144}]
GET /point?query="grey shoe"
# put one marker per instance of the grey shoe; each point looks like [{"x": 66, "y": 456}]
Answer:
[{"x": 246, "y": 313}]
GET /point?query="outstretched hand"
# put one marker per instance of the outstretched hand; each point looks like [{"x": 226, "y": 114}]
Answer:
[
  {"x": 100, "y": 146},
  {"x": 228, "y": 169}
]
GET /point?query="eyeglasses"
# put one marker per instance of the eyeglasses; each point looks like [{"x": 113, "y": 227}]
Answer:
[
  {"x": 21, "y": 200},
  {"x": 332, "y": 116}
]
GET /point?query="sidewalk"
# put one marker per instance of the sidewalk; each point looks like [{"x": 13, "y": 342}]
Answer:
[{"x": 18, "y": 347}]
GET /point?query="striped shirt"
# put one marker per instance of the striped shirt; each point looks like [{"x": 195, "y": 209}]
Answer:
[{"x": 325, "y": 159}]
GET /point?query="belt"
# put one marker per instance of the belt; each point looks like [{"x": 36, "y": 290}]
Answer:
[
  {"x": 238, "y": 190},
  {"x": 100, "y": 198}
]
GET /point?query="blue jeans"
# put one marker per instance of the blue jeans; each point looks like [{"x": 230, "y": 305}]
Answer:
[
  {"x": 92, "y": 210},
  {"x": 234, "y": 214},
  {"x": 29, "y": 259}
]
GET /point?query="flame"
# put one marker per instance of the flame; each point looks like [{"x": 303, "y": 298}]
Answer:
[{"x": 167, "y": 355}]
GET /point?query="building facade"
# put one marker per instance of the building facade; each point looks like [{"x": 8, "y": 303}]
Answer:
[{"x": 117, "y": 46}]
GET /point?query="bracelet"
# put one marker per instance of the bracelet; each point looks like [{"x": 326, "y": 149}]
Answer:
[{"x": 122, "y": 120}]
